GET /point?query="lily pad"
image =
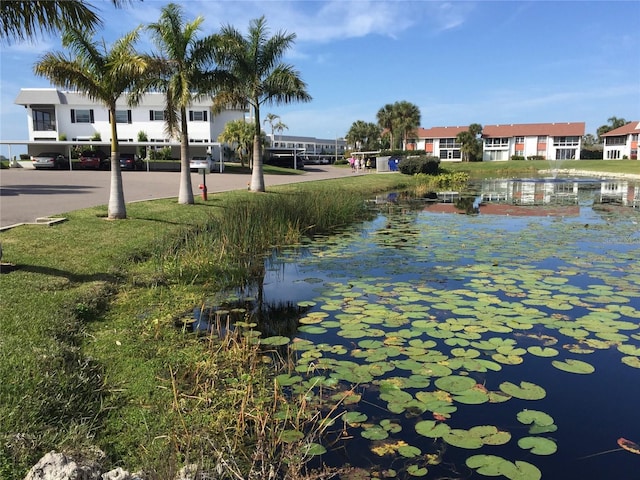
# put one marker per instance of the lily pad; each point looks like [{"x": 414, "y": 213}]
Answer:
[
  {"x": 573, "y": 366},
  {"x": 524, "y": 391},
  {"x": 538, "y": 445}
]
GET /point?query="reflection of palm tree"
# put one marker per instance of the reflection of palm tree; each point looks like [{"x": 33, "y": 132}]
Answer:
[{"x": 104, "y": 75}]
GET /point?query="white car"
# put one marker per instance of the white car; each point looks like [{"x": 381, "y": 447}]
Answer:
[
  {"x": 50, "y": 160},
  {"x": 196, "y": 163}
]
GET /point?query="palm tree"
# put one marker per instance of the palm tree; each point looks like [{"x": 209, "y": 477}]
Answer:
[
  {"x": 385, "y": 120},
  {"x": 22, "y": 20},
  {"x": 104, "y": 76},
  {"x": 271, "y": 120},
  {"x": 280, "y": 127},
  {"x": 184, "y": 76},
  {"x": 406, "y": 119},
  {"x": 259, "y": 78}
]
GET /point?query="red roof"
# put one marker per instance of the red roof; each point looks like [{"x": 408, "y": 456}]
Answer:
[
  {"x": 568, "y": 129},
  {"x": 631, "y": 127},
  {"x": 441, "y": 132}
]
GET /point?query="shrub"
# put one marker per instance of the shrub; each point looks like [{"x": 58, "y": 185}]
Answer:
[
  {"x": 517, "y": 157},
  {"x": 536, "y": 157},
  {"x": 414, "y": 165}
]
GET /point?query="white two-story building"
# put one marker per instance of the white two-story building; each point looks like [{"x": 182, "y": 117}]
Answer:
[
  {"x": 57, "y": 118},
  {"x": 622, "y": 142}
]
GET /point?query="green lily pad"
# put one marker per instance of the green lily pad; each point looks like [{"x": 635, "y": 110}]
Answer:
[
  {"x": 631, "y": 361},
  {"x": 454, "y": 383},
  {"x": 432, "y": 429},
  {"x": 538, "y": 445},
  {"x": 542, "y": 351},
  {"x": 525, "y": 391},
  {"x": 314, "y": 449},
  {"x": 354, "y": 418},
  {"x": 534, "y": 416},
  {"x": 417, "y": 471},
  {"x": 275, "y": 341},
  {"x": 409, "y": 451},
  {"x": 573, "y": 366}
]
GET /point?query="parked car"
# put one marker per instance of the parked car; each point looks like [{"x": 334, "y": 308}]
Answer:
[
  {"x": 50, "y": 160},
  {"x": 130, "y": 161},
  {"x": 94, "y": 159},
  {"x": 198, "y": 162}
]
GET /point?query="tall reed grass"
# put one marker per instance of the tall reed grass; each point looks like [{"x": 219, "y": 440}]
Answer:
[{"x": 232, "y": 244}]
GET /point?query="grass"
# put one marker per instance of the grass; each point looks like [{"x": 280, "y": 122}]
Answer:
[
  {"x": 89, "y": 350},
  {"x": 522, "y": 168}
]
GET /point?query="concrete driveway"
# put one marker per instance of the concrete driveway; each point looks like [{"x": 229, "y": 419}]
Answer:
[{"x": 27, "y": 194}]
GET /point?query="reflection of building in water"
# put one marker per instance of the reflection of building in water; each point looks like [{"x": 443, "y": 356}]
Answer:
[
  {"x": 524, "y": 192},
  {"x": 620, "y": 192}
]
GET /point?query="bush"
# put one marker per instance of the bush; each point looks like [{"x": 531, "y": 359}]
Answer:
[
  {"x": 517, "y": 157},
  {"x": 536, "y": 157},
  {"x": 421, "y": 164}
]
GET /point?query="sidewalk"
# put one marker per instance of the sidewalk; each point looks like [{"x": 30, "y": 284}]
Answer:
[{"x": 26, "y": 194}]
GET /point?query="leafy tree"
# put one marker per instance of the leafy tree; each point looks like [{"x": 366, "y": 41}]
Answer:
[
  {"x": 271, "y": 120},
  {"x": 367, "y": 135},
  {"x": 239, "y": 134},
  {"x": 22, "y": 20},
  {"x": 280, "y": 127},
  {"x": 385, "y": 121},
  {"x": 471, "y": 143},
  {"x": 259, "y": 78},
  {"x": 104, "y": 76},
  {"x": 589, "y": 140},
  {"x": 185, "y": 74},
  {"x": 405, "y": 120},
  {"x": 614, "y": 122}
]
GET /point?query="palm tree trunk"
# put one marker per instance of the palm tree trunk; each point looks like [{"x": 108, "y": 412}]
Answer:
[
  {"x": 185, "y": 195},
  {"x": 116, "y": 209},
  {"x": 257, "y": 173}
]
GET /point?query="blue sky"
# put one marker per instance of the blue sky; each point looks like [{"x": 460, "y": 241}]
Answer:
[{"x": 487, "y": 62}]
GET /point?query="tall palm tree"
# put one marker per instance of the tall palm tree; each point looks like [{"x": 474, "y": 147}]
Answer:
[
  {"x": 102, "y": 75},
  {"x": 406, "y": 119},
  {"x": 385, "y": 120},
  {"x": 259, "y": 78},
  {"x": 271, "y": 120},
  {"x": 185, "y": 75},
  {"x": 22, "y": 20}
]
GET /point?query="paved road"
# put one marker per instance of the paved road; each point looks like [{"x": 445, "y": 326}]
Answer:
[{"x": 27, "y": 194}]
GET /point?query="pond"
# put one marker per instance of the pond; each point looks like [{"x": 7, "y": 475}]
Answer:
[{"x": 501, "y": 343}]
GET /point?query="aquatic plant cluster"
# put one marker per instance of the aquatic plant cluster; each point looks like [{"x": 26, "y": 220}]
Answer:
[{"x": 473, "y": 343}]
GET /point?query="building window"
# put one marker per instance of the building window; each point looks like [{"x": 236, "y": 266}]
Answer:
[
  {"x": 634, "y": 154},
  {"x": 156, "y": 115},
  {"x": 520, "y": 153},
  {"x": 81, "y": 116},
  {"x": 197, "y": 115},
  {"x": 44, "y": 119},
  {"x": 497, "y": 142},
  {"x": 542, "y": 154},
  {"x": 565, "y": 141},
  {"x": 429, "y": 141},
  {"x": 634, "y": 137},
  {"x": 449, "y": 143},
  {"x": 565, "y": 154},
  {"x": 621, "y": 140},
  {"x": 613, "y": 154},
  {"x": 519, "y": 139},
  {"x": 123, "y": 116},
  {"x": 542, "y": 139}
]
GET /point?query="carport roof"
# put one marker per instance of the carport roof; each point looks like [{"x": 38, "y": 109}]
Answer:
[{"x": 40, "y": 96}]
